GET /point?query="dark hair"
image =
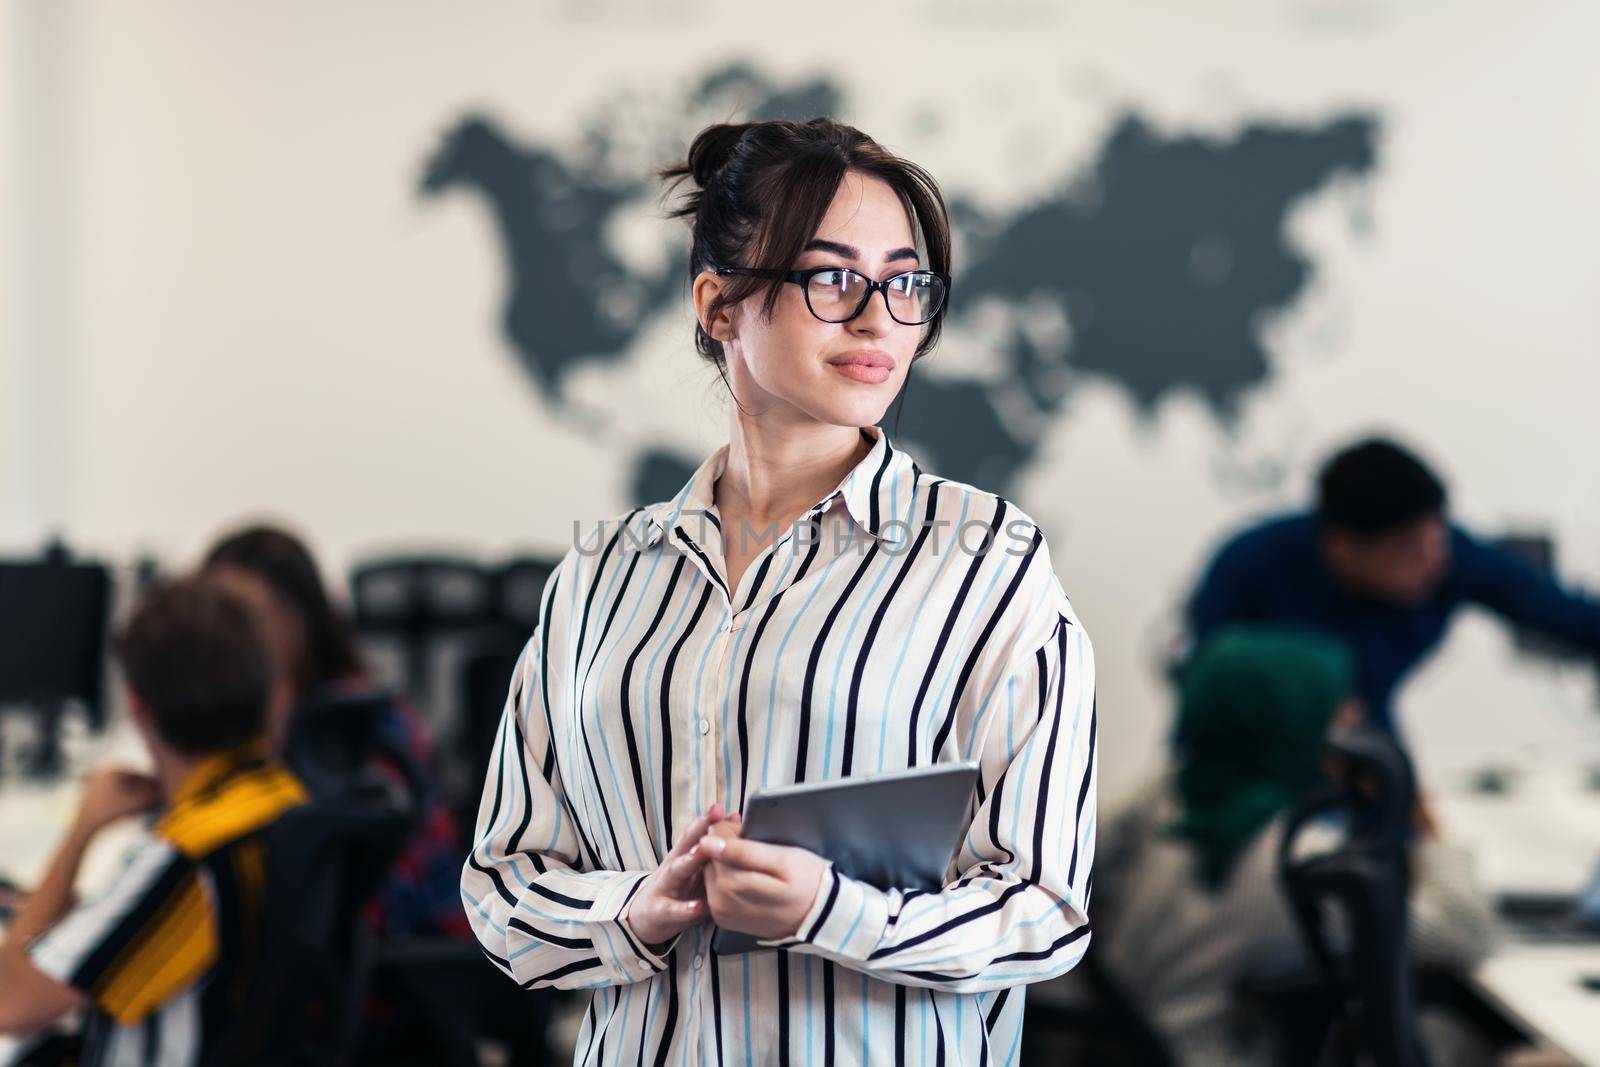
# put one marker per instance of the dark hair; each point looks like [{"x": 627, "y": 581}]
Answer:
[
  {"x": 195, "y": 654},
  {"x": 285, "y": 565},
  {"x": 1375, "y": 486},
  {"x": 761, "y": 191}
]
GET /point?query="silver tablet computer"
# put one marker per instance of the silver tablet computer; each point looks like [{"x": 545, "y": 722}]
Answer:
[{"x": 897, "y": 830}]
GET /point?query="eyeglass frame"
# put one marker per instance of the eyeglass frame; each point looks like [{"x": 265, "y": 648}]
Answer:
[{"x": 802, "y": 278}]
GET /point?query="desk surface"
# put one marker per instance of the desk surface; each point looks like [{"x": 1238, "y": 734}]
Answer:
[
  {"x": 1540, "y": 986},
  {"x": 1541, "y": 837},
  {"x": 35, "y": 814}
]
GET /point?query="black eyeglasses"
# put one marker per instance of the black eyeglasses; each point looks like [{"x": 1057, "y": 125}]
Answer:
[{"x": 839, "y": 294}]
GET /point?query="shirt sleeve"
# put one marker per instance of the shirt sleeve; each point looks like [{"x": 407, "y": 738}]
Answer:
[
  {"x": 150, "y": 936},
  {"x": 1452, "y": 919},
  {"x": 1018, "y": 912},
  {"x": 1522, "y": 593},
  {"x": 543, "y": 915}
]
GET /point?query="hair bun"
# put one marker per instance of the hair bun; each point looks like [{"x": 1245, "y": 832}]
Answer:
[{"x": 713, "y": 148}]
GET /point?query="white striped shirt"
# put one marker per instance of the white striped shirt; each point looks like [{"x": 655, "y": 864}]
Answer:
[
  {"x": 168, "y": 956},
  {"x": 877, "y": 633}
]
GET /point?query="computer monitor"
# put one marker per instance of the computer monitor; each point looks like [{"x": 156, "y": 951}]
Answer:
[{"x": 54, "y": 616}]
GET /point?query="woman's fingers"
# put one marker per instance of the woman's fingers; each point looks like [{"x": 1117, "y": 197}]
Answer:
[
  {"x": 696, "y": 830},
  {"x": 729, "y": 827},
  {"x": 684, "y": 910},
  {"x": 678, "y": 872},
  {"x": 671, "y": 917},
  {"x": 746, "y": 854}
]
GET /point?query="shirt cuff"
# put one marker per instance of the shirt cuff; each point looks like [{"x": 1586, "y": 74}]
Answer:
[
  {"x": 847, "y": 919},
  {"x": 617, "y": 950},
  {"x": 620, "y": 898},
  {"x": 631, "y": 955}
]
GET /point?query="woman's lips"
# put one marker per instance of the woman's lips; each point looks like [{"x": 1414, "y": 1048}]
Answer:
[
  {"x": 863, "y": 372},
  {"x": 865, "y": 365}
]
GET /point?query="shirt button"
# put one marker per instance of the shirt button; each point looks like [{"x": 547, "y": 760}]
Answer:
[
  {"x": 699, "y": 958},
  {"x": 705, "y": 726}
]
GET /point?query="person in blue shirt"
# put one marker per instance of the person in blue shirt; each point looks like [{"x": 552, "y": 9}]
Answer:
[{"x": 1380, "y": 564}]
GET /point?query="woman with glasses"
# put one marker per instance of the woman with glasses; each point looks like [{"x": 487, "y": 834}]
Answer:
[{"x": 811, "y": 605}]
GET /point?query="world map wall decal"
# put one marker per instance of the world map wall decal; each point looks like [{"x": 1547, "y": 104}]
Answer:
[{"x": 1157, "y": 260}]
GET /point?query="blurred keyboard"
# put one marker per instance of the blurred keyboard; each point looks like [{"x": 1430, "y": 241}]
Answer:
[{"x": 1544, "y": 917}]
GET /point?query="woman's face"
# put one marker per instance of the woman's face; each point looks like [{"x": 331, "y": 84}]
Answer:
[{"x": 798, "y": 367}]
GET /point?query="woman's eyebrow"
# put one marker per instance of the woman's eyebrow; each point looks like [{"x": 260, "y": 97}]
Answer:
[{"x": 852, "y": 252}]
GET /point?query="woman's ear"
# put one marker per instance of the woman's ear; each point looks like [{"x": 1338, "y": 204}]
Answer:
[{"x": 718, "y": 327}]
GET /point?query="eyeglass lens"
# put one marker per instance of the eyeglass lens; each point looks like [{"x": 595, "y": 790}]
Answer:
[{"x": 913, "y": 298}]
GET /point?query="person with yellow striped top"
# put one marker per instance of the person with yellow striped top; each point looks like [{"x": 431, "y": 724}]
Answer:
[{"x": 163, "y": 960}]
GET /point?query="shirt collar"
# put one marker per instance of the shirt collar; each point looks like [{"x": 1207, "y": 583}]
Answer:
[
  {"x": 877, "y": 492},
  {"x": 216, "y": 767}
]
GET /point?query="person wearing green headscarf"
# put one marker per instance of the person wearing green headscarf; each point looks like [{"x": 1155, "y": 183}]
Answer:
[
  {"x": 1254, "y": 706},
  {"x": 1187, "y": 902}
]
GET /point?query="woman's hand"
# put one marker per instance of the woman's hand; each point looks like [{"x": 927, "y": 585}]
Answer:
[
  {"x": 672, "y": 898},
  {"x": 756, "y": 888}
]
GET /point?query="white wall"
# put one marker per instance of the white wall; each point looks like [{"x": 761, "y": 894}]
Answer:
[
  {"x": 234, "y": 303},
  {"x": 38, "y": 205}
]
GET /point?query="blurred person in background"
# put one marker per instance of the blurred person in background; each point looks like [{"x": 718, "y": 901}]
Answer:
[
  {"x": 1188, "y": 900},
  {"x": 321, "y": 662},
  {"x": 162, "y": 963},
  {"x": 1379, "y": 564}
]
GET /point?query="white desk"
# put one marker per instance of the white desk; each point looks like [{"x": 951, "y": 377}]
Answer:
[
  {"x": 35, "y": 814},
  {"x": 1539, "y": 986},
  {"x": 1541, "y": 837}
]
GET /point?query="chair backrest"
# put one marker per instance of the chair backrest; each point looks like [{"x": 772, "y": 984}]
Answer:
[
  {"x": 417, "y": 600},
  {"x": 324, "y": 861},
  {"x": 1367, "y": 970},
  {"x": 407, "y": 593},
  {"x": 483, "y": 677},
  {"x": 519, "y": 586},
  {"x": 483, "y": 680}
]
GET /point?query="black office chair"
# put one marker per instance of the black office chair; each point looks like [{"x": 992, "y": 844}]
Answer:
[
  {"x": 434, "y": 987},
  {"x": 519, "y": 588},
  {"x": 483, "y": 681},
  {"x": 448, "y": 989},
  {"x": 324, "y": 861},
  {"x": 54, "y": 615},
  {"x": 1367, "y": 997},
  {"x": 416, "y": 600},
  {"x": 483, "y": 677}
]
